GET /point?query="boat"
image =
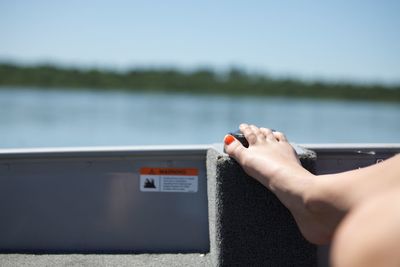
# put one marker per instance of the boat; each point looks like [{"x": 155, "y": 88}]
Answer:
[{"x": 155, "y": 205}]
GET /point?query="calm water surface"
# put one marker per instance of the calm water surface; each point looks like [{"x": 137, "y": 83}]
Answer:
[{"x": 48, "y": 118}]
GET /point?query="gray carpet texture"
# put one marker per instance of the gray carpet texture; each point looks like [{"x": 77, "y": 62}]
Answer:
[{"x": 252, "y": 227}]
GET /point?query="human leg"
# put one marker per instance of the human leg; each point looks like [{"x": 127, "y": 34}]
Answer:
[
  {"x": 370, "y": 234},
  {"x": 318, "y": 203}
]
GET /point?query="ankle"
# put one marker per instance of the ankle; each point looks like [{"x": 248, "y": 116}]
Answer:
[
  {"x": 322, "y": 202},
  {"x": 294, "y": 191}
]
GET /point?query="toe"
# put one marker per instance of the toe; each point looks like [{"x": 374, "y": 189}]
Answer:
[
  {"x": 260, "y": 135},
  {"x": 249, "y": 134},
  {"x": 233, "y": 147},
  {"x": 280, "y": 136},
  {"x": 268, "y": 134}
]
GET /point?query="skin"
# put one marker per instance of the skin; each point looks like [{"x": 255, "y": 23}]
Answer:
[{"x": 363, "y": 223}]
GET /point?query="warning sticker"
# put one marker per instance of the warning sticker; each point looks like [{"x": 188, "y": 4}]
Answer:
[{"x": 184, "y": 180}]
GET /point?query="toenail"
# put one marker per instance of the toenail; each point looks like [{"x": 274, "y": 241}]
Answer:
[{"x": 229, "y": 139}]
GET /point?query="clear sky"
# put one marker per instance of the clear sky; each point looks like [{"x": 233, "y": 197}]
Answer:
[{"x": 340, "y": 39}]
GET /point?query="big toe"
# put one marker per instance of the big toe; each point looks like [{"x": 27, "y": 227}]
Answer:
[{"x": 233, "y": 147}]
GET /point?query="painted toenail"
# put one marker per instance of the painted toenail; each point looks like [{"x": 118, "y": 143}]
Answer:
[{"x": 229, "y": 139}]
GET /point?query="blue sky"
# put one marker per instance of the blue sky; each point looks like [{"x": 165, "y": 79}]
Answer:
[{"x": 351, "y": 40}]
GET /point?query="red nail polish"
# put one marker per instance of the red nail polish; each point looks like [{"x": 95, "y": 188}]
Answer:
[{"x": 229, "y": 139}]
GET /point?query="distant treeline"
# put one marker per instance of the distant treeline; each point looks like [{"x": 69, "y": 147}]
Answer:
[{"x": 205, "y": 81}]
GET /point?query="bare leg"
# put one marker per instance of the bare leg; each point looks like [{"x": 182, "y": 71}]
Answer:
[{"x": 370, "y": 234}]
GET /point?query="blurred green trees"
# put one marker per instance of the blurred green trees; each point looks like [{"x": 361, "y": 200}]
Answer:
[{"x": 204, "y": 81}]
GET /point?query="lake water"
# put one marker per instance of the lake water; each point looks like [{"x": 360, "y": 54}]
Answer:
[{"x": 47, "y": 118}]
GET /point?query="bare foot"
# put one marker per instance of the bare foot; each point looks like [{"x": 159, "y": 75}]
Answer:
[
  {"x": 273, "y": 162},
  {"x": 268, "y": 157}
]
